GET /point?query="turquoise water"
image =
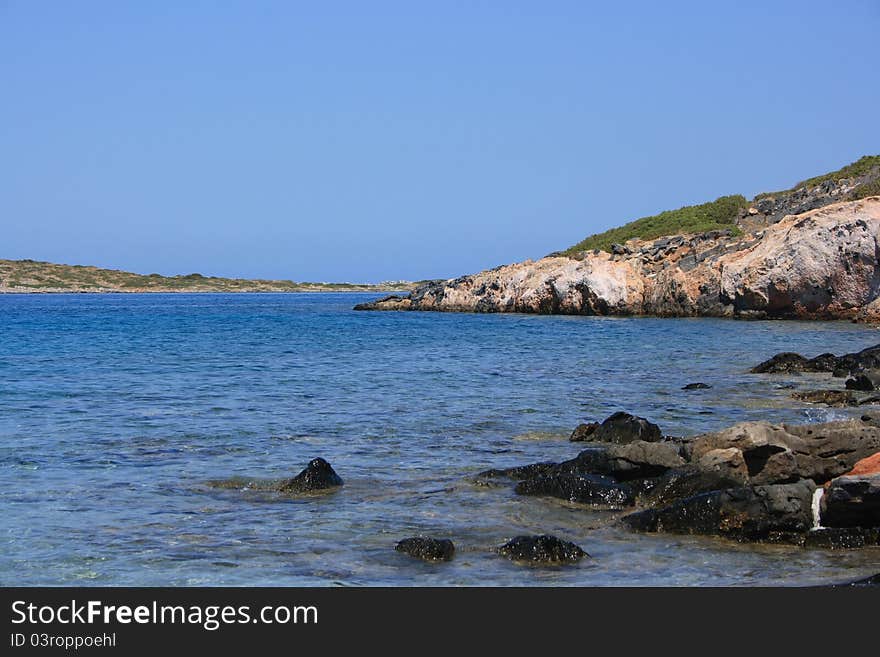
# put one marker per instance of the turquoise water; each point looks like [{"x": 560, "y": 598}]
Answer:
[{"x": 115, "y": 410}]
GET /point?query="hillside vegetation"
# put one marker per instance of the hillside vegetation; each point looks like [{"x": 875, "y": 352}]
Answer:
[
  {"x": 864, "y": 166},
  {"x": 857, "y": 180},
  {"x": 718, "y": 214},
  {"x": 34, "y": 276}
]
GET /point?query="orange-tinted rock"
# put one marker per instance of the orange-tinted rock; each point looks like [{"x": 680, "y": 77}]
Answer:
[{"x": 869, "y": 465}]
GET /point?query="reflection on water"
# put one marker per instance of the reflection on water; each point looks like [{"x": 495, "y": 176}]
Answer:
[{"x": 115, "y": 412}]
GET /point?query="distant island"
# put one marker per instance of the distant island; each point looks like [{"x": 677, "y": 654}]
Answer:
[{"x": 31, "y": 276}]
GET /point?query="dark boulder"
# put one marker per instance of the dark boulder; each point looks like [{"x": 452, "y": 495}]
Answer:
[
  {"x": 624, "y": 428},
  {"x": 543, "y": 549},
  {"x": 685, "y": 482},
  {"x": 868, "y": 380},
  {"x": 426, "y": 548},
  {"x": 583, "y": 488},
  {"x": 785, "y": 362},
  {"x": 583, "y": 432},
  {"x": 696, "y": 386},
  {"x": 824, "y": 363},
  {"x": 318, "y": 475},
  {"x": 852, "y": 501},
  {"x": 866, "y": 359},
  {"x": 760, "y": 513},
  {"x": 842, "y": 538}
]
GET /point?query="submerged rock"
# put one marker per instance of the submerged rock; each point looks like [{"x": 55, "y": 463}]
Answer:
[
  {"x": 587, "y": 489},
  {"x": 827, "y": 397},
  {"x": 696, "y": 386},
  {"x": 318, "y": 475},
  {"x": 542, "y": 549},
  {"x": 623, "y": 428},
  {"x": 426, "y": 548},
  {"x": 583, "y": 431}
]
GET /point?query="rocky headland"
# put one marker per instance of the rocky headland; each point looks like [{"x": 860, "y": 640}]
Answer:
[{"x": 810, "y": 252}]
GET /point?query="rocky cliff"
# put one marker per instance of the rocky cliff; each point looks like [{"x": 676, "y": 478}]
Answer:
[{"x": 823, "y": 263}]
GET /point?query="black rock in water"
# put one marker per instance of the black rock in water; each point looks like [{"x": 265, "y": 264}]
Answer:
[
  {"x": 587, "y": 489},
  {"x": 685, "y": 482},
  {"x": 542, "y": 549},
  {"x": 839, "y": 365},
  {"x": 318, "y": 475},
  {"x": 867, "y": 380},
  {"x": 583, "y": 432},
  {"x": 624, "y": 428},
  {"x": 426, "y": 548},
  {"x": 697, "y": 386},
  {"x": 785, "y": 362}
]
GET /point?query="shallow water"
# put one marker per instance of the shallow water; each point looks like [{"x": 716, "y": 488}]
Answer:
[{"x": 115, "y": 410}]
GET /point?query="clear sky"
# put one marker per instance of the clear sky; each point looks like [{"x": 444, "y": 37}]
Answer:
[{"x": 377, "y": 140}]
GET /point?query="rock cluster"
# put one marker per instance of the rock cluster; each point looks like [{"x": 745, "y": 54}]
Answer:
[
  {"x": 754, "y": 481},
  {"x": 839, "y": 366},
  {"x": 862, "y": 368}
]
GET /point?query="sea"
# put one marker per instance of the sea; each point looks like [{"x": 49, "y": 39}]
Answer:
[{"x": 118, "y": 410}]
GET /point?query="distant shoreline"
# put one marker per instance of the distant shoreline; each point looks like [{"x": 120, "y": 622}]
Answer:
[
  {"x": 298, "y": 291},
  {"x": 36, "y": 277}
]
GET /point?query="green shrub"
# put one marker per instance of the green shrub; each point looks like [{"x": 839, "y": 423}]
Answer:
[
  {"x": 868, "y": 189},
  {"x": 718, "y": 214}
]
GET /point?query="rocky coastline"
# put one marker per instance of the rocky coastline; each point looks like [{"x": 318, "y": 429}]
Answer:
[{"x": 818, "y": 264}]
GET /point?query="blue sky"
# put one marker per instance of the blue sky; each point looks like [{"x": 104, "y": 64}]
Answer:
[{"x": 379, "y": 140}]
